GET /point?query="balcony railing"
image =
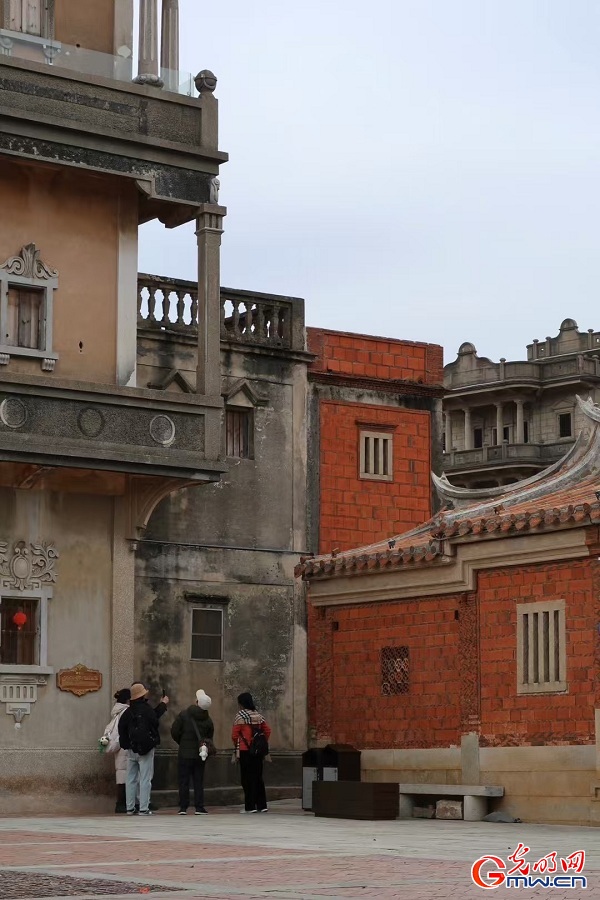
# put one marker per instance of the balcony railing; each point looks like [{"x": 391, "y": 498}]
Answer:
[
  {"x": 534, "y": 373},
  {"x": 31, "y": 48},
  {"x": 262, "y": 320},
  {"x": 505, "y": 454}
]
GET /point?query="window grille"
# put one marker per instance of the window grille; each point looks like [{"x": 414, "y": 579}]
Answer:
[
  {"x": 395, "y": 670},
  {"x": 541, "y": 647},
  {"x": 19, "y": 646},
  {"x": 207, "y": 634},
  {"x": 238, "y": 437},
  {"x": 376, "y": 456}
]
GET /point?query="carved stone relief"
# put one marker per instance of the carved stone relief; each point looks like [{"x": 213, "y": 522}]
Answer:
[
  {"x": 28, "y": 566},
  {"x": 28, "y": 264}
]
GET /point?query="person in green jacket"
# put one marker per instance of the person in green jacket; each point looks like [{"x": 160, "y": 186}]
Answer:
[{"x": 192, "y": 727}]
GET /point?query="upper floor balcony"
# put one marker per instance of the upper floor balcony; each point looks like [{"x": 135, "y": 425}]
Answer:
[
  {"x": 503, "y": 456},
  {"x": 483, "y": 375}
]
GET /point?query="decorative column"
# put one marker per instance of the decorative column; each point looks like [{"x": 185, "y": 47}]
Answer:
[
  {"x": 448, "y": 431},
  {"x": 499, "y": 423},
  {"x": 169, "y": 50},
  {"x": 148, "y": 49},
  {"x": 520, "y": 437},
  {"x": 468, "y": 430}
]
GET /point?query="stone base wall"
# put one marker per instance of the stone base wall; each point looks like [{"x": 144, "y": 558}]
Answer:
[{"x": 556, "y": 785}]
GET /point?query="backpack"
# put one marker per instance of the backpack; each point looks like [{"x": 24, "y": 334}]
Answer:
[
  {"x": 258, "y": 746},
  {"x": 141, "y": 737}
]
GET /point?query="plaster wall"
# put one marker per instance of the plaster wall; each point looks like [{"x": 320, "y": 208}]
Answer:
[
  {"x": 54, "y": 753},
  {"x": 82, "y": 241},
  {"x": 74, "y": 25}
]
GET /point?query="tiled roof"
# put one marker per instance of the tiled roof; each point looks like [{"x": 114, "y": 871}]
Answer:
[{"x": 563, "y": 495}]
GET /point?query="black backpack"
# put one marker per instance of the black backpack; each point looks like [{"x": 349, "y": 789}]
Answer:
[
  {"x": 142, "y": 738},
  {"x": 258, "y": 746}
]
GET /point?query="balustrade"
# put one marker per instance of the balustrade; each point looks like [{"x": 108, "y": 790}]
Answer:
[{"x": 169, "y": 304}]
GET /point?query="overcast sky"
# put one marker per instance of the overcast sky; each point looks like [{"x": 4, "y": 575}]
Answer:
[{"x": 423, "y": 169}]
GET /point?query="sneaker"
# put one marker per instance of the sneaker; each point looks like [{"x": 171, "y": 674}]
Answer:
[
  {"x": 201, "y": 812},
  {"x": 182, "y": 812},
  {"x": 247, "y": 812},
  {"x": 145, "y": 812},
  {"x": 132, "y": 812},
  {"x": 263, "y": 810}
]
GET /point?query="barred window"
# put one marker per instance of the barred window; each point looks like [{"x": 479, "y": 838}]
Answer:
[
  {"x": 207, "y": 634},
  {"x": 541, "y": 648},
  {"x": 19, "y": 631},
  {"x": 376, "y": 456},
  {"x": 395, "y": 670},
  {"x": 239, "y": 433}
]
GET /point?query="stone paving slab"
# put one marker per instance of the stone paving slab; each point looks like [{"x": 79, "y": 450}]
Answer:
[{"x": 294, "y": 856}]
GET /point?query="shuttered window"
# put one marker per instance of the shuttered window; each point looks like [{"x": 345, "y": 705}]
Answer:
[
  {"x": 376, "y": 456},
  {"x": 25, "y": 312},
  {"x": 207, "y": 634},
  {"x": 541, "y": 648},
  {"x": 239, "y": 436}
]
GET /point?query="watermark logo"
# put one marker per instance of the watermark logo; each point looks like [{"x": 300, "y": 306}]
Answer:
[{"x": 550, "y": 871}]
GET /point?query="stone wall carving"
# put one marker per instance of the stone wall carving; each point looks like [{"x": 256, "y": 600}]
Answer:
[
  {"x": 27, "y": 264},
  {"x": 27, "y": 566}
]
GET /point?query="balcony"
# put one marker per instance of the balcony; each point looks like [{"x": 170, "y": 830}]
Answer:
[
  {"x": 523, "y": 373},
  {"x": 248, "y": 319},
  {"x": 530, "y": 456}
]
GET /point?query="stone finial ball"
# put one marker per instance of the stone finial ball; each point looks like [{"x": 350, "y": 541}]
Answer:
[{"x": 205, "y": 81}]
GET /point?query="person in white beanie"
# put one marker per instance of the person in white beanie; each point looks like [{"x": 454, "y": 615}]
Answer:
[{"x": 193, "y": 731}]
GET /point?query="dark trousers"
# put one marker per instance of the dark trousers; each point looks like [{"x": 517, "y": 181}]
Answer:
[
  {"x": 191, "y": 769},
  {"x": 251, "y": 771}
]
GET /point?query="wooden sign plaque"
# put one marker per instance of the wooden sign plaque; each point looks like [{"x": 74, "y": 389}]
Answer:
[{"x": 79, "y": 680}]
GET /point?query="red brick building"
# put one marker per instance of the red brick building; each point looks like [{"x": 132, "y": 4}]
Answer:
[
  {"x": 375, "y": 427},
  {"x": 467, "y": 650}
]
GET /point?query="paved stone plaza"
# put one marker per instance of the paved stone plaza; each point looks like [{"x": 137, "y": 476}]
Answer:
[{"x": 284, "y": 854}]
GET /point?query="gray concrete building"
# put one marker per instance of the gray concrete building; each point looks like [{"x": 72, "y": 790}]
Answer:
[{"x": 507, "y": 420}]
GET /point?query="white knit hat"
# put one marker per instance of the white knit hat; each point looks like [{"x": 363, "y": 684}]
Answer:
[{"x": 203, "y": 699}]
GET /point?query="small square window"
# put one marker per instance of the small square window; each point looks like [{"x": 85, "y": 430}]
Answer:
[
  {"x": 565, "y": 425},
  {"x": 541, "y": 648},
  {"x": 19, "y": 631},
  {"x": 395, "y": 670},
  {"x": 376, "y": 461},
  {"x": 239, "y": 433},
  {"x": 207, "y": 634}
]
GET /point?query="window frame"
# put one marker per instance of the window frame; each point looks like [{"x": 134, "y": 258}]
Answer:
[
  {"x": 43, "y": 596},
  {"x": 365, "y": 435},
  {"x": 37, "y": 277},
  {"x": 559, "y": 685},
  {"x": 46, "y": 14},
  {"x": 207, "y": 607},
  {"x": 248, "y": 412},
  {"x": 559, "y": 416}
]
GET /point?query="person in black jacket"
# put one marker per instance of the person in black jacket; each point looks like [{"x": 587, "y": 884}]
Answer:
[
  {"x": 190, "y": 729},
  {"x": 139, "y": 735}
]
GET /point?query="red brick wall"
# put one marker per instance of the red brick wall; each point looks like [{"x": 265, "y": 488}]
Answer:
[
  {"x": 355, "y": 511},
  {"x": 363, "y": 356},
  {"x": 349, "y": 705},
  {"x": 546, "y": 718},
  {"x": 462, "y": 666}
]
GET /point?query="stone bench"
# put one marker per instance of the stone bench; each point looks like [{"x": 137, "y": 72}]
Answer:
[{"x": 475, "y": 797}]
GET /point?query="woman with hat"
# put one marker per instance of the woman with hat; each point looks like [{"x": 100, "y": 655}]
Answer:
[
  {"x": 139, "y": 735},
  {"x": 193, "y": 731}
]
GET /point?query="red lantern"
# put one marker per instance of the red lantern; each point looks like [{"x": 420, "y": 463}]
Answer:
[{"x": 19, "y": 619}]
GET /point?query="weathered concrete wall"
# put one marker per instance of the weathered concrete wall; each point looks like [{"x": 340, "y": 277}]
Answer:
[
  {"x": 54, "y": 753},
  {"x": 232, "y": 545}
]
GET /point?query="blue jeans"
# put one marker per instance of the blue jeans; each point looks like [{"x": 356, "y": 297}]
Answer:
[{"x": 140, "y": 770}]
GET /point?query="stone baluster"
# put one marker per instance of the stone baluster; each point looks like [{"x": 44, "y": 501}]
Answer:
[
  {"x": 148, "y": 44},
  {"x": 180, "y": 307},
  {"x": 169, "y": 50}
]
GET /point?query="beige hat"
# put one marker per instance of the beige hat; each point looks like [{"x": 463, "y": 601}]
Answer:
[
  {"x": 203, "y": 700},
  {"x": 138, "y": 690}
]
